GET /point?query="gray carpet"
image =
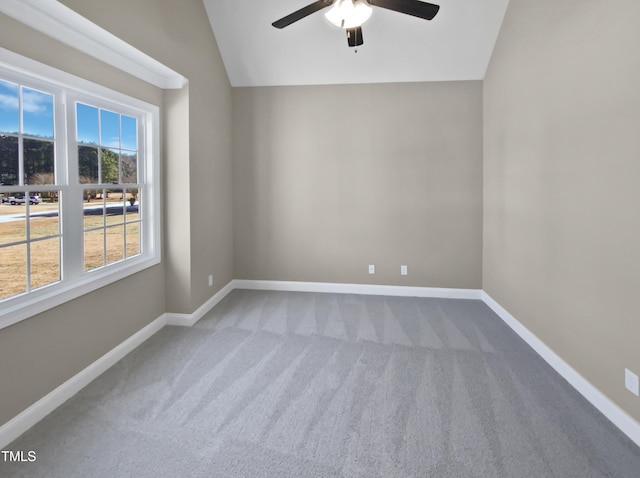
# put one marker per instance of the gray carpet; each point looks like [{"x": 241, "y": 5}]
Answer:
[{"x": 280, "y": 384}]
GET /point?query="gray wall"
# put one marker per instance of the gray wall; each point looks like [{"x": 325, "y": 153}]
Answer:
[
  {"x": 329, "y": 179},
  {"x": 561, "y": 182},
  {"x": 40, "y": 353}
]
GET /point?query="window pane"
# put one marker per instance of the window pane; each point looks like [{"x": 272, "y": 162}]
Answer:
[
  {"x": 44, "y": 220},
  {"x": 9, "y": 116},
  {"x": 115, "y": 207},
  {"x": 87, "y": 165},
  {"x": 12, "y": 220},
  {"x": 129, "y": 133},
  {"x": 110, "y": 166},
  {"x": 87, "y": 124},
  {"x": 115, "y": 244},
  {"x": 13, "y": 273},
  {"x": 93, "y": 209},
  {"x": 129, "y": 167},
  {"x": 38, "y": 162},
  {"x": 93, "y": 249},
  {"x": 37, "y": 113},
  {"x": 45, "y": 262},
  {"x": 109, "y": 129},
  {"x": 133, "y": 238},
  {"x": 133, "y": 203},
  {"x": 9, "y": 171}
]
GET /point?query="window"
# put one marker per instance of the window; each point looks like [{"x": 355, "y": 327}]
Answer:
[
  {"x": 108, "y": 161},
  {"x": 79, "y": 188},
  {"x": 29, "y": 238}
]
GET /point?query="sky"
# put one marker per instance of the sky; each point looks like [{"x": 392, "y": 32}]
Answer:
[
  {"x": 37, "y": 109},
  {"x": 106, "y": 128},
  {"x": 95, "y": 126}
]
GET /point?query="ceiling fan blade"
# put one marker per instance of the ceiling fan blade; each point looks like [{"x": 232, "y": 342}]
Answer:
[
  {"x": 354, "y": 36},
  {"x": 303, "y": 12},
  {"x": 410, "y": 7}
]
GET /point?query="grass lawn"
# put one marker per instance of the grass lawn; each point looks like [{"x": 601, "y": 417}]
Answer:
[{"x": 45, "y": 253}]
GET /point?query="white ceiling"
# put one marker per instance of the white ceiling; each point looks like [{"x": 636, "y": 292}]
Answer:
[{"x": 455, "y": 45}]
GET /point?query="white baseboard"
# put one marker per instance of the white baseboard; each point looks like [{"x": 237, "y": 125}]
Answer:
[
  {"x": 627, "y": 424},
  {"x": 43, "y": 407},
  {"x": 187, "y": 320},
  {"x": 364, "y": 289}
]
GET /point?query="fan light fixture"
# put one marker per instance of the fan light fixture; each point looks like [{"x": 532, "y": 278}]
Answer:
[{"x": 349, "y": 13}]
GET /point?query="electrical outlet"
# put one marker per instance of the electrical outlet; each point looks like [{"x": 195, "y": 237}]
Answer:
[
  {"x": 631, "y": 382},
  {"x": 210, "y": 280},
  {"x": 372, "y": 269},
  {"x": 403, "y": 270}
]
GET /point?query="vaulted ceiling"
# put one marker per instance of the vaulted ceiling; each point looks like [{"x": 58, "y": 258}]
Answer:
[{"x": 455, "y": 45}]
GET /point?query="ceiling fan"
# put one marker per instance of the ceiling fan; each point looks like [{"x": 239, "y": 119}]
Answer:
[{"x": 351, "y": 14}]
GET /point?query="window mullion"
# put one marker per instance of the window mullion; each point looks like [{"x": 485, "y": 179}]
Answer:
[
  {"x": 27, "y": 206},
  {"x": 20, "y": 140},
  {"x": 72, "y": 201},
  {"x": 61, "y": 143},
  {"x": 20, "y": 158}
]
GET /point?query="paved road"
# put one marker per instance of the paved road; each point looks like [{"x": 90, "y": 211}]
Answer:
[{"x": 97, "y": 209}]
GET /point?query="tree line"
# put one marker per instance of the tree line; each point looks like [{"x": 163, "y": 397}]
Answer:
[{"x": 39, "y": 163}]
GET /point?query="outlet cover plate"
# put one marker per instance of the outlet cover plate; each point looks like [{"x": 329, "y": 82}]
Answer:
[
  {"x": 631, "y": 382},
  {"x": 403, "y": 270},
  {"x": 372, "y": 269}
]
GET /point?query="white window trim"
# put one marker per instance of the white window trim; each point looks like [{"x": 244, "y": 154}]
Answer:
[
  {"x": 65, "y": 25},
  {"x": 21, "y": 307}
]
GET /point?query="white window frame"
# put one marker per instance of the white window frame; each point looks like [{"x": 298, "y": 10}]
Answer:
[{"x": 76, "y": 282}]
